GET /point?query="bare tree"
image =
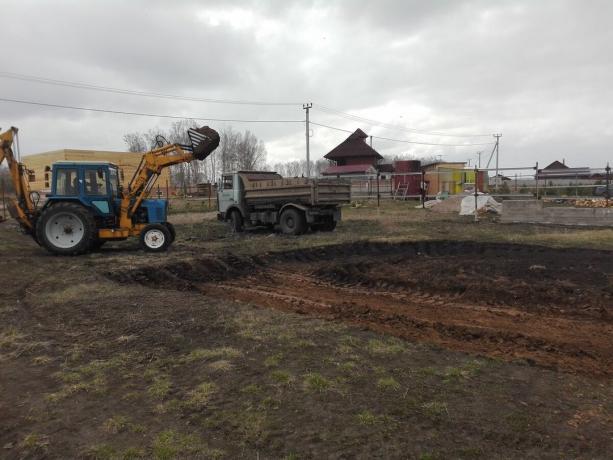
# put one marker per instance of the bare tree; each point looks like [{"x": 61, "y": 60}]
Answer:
[
  {"x": 135, "y": 142},
  {"x": 237, "y": 151},
  {"x": 240, "y": 151}
]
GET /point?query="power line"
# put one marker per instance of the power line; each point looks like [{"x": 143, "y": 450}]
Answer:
[
  {"x": 132, "y": 92},
  {"x": 369, "y": 121},
  {"x": 142, "y": 114},
  {"x": 330, "y": 127},
  {"x": 324, "y": 108},
  {"x": 400, "y": 140}
]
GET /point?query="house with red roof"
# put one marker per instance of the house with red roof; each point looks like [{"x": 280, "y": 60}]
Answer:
[{"x": 353, "y": 156}]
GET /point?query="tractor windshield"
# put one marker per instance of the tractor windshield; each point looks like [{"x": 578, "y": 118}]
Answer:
[
  {"x": 95, "y": 181},
  {"x": 114, "y": 181}
]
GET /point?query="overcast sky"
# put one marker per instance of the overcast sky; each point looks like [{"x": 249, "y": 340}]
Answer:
[{"x": 539, "y": 72}]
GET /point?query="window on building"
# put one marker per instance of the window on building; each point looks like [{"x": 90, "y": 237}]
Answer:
[
  {"x": 66, "y": 182},
  {"x": 95, "y": 181},
  {"x": 31, "y": 176}
]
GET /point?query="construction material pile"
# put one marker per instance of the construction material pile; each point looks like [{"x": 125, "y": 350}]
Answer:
[
  {"x": 593, "y": 203},
  {"x": 485, "y": 204},
  {"x": 450, "y": 204}
]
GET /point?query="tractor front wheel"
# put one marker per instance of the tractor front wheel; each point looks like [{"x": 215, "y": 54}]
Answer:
[
  {"x": 155, "y": 238},
  {"x": 66, "y": 229}
]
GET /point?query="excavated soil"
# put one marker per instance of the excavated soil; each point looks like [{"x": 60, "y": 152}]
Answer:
[{"x": 551, "y": 307}]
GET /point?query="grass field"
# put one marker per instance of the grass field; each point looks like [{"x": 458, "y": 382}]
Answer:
[{"x": 258, "y": 345}]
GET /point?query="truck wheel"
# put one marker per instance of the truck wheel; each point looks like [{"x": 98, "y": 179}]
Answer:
[
  {"x": 326, "y": 226},
  {"x": 171, "y": 229},
  {"x": 155, "y": 238},
  {"x": 236, "y": 221},
  {"x": 292, "y": 222},
  {"x": 66, "y": 229}
]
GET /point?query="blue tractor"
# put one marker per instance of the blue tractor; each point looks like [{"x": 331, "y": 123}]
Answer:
[{"x": 88, "y": 206}]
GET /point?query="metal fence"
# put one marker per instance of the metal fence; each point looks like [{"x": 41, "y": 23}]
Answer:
[{"x": 521, "y": 182}]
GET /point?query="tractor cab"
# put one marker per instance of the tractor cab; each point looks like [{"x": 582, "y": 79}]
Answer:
[
  {"x": 96, "y": 186},
  {"x": 93, "y": 184}
]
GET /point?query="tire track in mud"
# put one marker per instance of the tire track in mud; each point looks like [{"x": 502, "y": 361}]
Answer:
[
  {"x": 550, "y": 341},
  {"x": 547, "y": 306}
]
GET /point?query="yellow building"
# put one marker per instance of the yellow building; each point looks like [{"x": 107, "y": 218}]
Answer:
[
  {"x": 440, "y": 176},
  {"x": 452, "y": 178},
  {"x": 40, "y": 165}
]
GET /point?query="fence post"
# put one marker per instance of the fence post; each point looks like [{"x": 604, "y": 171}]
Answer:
[
  {"x": 536, "y": 179},
  {"x": 378, "y": 194},
  {"x": 608, "y": 182},
  {"x": 423, "y": 190},
  {"x": 476, "y": 194}
]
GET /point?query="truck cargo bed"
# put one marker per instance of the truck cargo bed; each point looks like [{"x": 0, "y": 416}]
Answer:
[{"x": 311, "y": 192}]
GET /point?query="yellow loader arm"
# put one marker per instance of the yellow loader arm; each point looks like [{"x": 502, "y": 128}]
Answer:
[
  {"x": 203, "y": 141},
  {"x": 22, "y": 208}
]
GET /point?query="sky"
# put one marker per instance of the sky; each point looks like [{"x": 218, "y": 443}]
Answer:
[{"x": 436, "y": 72}]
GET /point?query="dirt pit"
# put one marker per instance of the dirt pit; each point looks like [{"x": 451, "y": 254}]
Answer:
[{"x": 551, "y": 307}]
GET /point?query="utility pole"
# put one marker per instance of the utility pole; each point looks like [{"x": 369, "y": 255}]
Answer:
[
  {"x": 308, "y": 153},
  {"x": 370, "y": 141},
  {"x": 497, "y": 136},
  {"x": 479, "y": 155}
]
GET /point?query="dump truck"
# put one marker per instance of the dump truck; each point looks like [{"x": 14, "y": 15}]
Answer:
[
  {"x": 293, "y": 205},
  {"x": 88, "y": 206}
]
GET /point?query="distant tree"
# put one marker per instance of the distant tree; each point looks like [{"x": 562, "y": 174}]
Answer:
[
  {"x": 241, "y": 151},
  {"x": 135, "y": 142},
  {"x": 298, "y": 168},
  {"x": 236, "y": 151}
]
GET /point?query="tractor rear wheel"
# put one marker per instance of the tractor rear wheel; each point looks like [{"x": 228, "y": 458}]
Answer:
[
  {"x": 293, "y": 222},
  {"x": 66, "y": 229},
  {"x": 171, "y": 229},
  {"x": 97, "y": 244},
  {"x": 155, "y": 238}
]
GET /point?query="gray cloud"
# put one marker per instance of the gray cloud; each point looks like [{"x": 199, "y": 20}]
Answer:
[{"x": 537, "y": 71}]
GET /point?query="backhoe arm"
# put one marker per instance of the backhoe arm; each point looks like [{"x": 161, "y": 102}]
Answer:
[
  {"x": 22, "y": 207},
  {"x": 203, "y": 141}
]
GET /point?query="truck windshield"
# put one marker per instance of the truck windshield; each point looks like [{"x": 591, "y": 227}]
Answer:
[{"x": 227, "y": 182}]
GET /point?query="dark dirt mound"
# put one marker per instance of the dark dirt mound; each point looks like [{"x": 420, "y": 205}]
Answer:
[{"x": 545, "y": 305}]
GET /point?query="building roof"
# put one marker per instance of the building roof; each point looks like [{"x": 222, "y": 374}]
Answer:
[
  {"x": 349, "y": 169},
  {"x": 561, "y": 171},
  {"x": 556, "y": 165},
  {"x": 443, "y": 164},
  {"x": 72, "y": 152},
  {"x": 354, "y": 146}
]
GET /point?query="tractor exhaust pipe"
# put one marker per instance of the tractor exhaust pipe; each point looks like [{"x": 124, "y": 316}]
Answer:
[{"x": 204, "y": 141}]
